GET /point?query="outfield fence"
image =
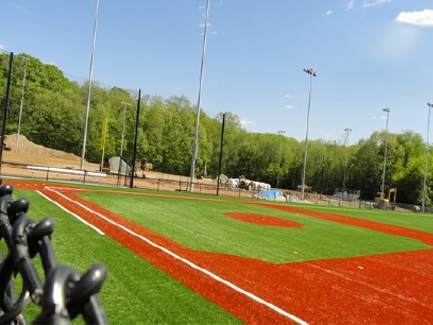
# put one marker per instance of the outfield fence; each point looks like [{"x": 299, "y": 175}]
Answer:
[{"x": 160, "y": 181}]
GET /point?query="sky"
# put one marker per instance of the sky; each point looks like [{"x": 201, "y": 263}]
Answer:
[{"x": 368, "y": 55}]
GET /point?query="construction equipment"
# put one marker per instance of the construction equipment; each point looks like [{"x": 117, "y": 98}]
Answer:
[
  {"x": 145, "y": 165},
  {"x": 388, "y": 202}
]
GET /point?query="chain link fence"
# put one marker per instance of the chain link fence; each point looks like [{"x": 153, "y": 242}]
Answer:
[{"x": 61, "y": 293}]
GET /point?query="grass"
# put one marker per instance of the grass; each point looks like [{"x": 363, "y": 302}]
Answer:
[
  {"x": 138, "y": 293},
  {"x": 135, "y": 291},
  {"x": 418, "y": 221},
  {"x": 201, "y": 225}
]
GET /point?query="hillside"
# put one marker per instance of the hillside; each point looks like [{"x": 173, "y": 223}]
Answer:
[{"x": 29, "y": 153}]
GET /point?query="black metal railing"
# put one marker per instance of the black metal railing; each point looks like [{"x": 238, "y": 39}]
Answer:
[{"x": 62, "y": 294}]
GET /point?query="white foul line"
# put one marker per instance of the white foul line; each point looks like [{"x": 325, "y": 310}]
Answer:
[
  {"x": 73, "y": 214},
  {"x": 189, "y": 263}
]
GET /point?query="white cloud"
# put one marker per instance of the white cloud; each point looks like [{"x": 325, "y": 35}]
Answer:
[
  {"x": 419, "y": 18},
  {"x": 368, "y": 4},
  {"x": 350, "y": 5},
  {"x": 289, "y": 107},
  {"x": 2, "y": 47},
  {"x": 287, "y": 96},
  {"x": 245, "y": 122},
  {"x": 329, "y": 12},
  {"x": 395, "y": 43}
]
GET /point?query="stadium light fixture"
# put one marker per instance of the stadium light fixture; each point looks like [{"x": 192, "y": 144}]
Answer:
[
  {"x": 382, "y": 187},
  {"x": 312, "y": 74},
  {"x": 424, "y": 195}
]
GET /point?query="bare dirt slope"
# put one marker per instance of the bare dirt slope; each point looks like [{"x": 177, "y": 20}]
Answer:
[
  {"x": 29, "y": 153},
  {"x": 16, "y": 159}
]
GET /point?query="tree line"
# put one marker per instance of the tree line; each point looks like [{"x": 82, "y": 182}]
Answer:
[{"x": 54, "y": 110}]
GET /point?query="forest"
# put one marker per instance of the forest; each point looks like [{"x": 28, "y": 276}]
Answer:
[{"x": 54, "y": 110}]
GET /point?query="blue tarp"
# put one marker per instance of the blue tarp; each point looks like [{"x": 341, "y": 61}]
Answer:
[{"x": 270, "y": 194}]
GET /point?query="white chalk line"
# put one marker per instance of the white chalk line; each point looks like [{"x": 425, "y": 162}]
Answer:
[
  {"x": 189, "y": 263},
  {"x": 99, "y": 231}
]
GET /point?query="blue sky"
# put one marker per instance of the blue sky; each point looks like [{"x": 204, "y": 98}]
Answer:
[{"x": 368, "y": 55}]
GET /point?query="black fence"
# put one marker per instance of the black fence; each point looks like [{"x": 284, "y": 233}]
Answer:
[{"x": 62, "y": 294}]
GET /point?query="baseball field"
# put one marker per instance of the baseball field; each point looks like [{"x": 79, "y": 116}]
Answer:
[{"x": 180, "y": 258}]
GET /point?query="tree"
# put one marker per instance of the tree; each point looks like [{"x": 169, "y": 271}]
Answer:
[
  {"x": 367, "y": 167},
  {"x": 54, "y": 112}
]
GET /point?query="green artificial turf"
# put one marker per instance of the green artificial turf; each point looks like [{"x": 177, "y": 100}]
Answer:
[
  {"x": 418, "y": 221},
  {"x": 202, "y": 225},
  {"x": 135, "y": 291}
]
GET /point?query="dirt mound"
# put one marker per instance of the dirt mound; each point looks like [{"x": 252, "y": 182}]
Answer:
[
  {"x": 25, "y": 146},
  {"x": 29, "y": 153}
]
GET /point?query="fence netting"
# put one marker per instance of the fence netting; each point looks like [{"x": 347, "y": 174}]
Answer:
[{"x": 59, "y": 292}]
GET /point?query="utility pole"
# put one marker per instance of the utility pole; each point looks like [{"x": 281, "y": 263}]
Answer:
[{"x": 25, "y": 59}]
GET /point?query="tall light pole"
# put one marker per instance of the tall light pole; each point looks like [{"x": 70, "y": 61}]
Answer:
[
  {"x": 382, "y": 187},
  {"x": 312, "y": 74},
  {"x": 5, "y": 103},
  {"x": 25, "y": 59},
  {"x": 279, "y": 159},
  {"x": 89, "y": 91},
  {"x": 346, "y": 141},
  {"x": 430, "y": 105},
  {"x": 197, "y": 124}
]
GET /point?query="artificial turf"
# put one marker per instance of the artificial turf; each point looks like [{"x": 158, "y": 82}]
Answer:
[{"x": 202, "y": 225}]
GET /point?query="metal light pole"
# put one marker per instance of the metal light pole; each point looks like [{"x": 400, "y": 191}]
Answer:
[
  {"x": 5, "y": 102},
  {"x": 89, "y": 91},
  {"x": 430, "y": 105},
  {"x": 346, "y": 141},
  {"x": 279, "y": 159},
  {"x": 25, "y": 59},
  {"x": 382, "y": 187},
  {"x": 197, "y": 124},
  {"x": 312, "y": 74}
]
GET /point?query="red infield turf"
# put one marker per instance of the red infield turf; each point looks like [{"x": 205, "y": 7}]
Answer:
[{"x": 381, "y": 289}]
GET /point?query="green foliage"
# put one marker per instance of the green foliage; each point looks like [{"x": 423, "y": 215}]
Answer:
[{"x": 54, "y": 110}]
